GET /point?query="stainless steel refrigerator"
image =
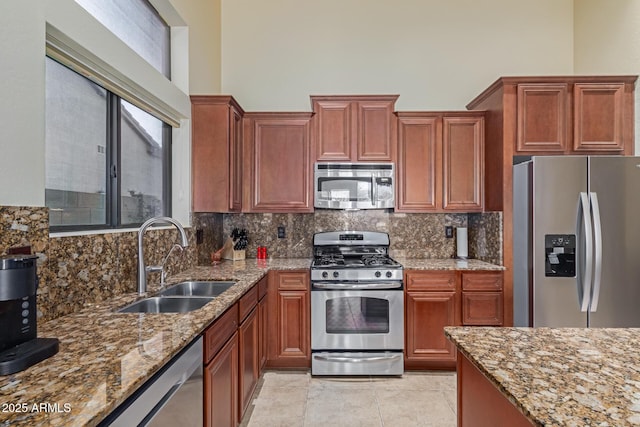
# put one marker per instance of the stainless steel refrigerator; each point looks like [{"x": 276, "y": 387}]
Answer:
[{"x": 576, "y": 241}]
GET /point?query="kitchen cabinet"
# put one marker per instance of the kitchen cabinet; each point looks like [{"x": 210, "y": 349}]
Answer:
[
  {"x": 570, "y": 118},
  {"x": 248, "y": 348},
  {"x": 440, "y": 165},
  {"x": 551, "y": 115},
  {"x": 480, "y": 403},
  {"x": 216, "y": 162},
  {"x": 221, "y": 371},
  {"x": 277, "y": 167},
  {"x": 354, "y": 128},
  {"x": 263, "y": 310},
  {"x": 289, "y": 319},
  {"x": 432, "y": 302},
  {"x": 482, "y": 299}
]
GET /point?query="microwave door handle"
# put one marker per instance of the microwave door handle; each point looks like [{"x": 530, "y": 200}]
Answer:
[{"x": 374, "y": 191}]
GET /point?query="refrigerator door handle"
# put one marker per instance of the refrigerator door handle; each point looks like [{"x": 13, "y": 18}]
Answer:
[
  {"x": 584, "y": 232},
  {"x": 597, "y": 233}
]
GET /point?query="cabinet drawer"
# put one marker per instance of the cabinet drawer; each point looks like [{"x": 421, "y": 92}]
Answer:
[
  {"x": 293, "y": 280},
  {"x": 248, "y": 302},
  {"x": 482, "y": 281},
  {"x": 431, "y": 281},
  {"x": 217, "y": 334},
  {"x": 482, "y": 308}
]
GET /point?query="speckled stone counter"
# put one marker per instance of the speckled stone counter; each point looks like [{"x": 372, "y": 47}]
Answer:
[
  {"x": 446, "y": 264},
  {"x": 560, "y": 377},
  {"x": 105, "y": 356}
]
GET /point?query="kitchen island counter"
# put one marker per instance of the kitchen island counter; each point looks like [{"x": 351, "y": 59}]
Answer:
[
  {"x": 105, "y": 356},
  {"x": 557, "y": 377}
]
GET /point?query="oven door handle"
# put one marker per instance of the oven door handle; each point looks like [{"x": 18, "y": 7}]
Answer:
[
  {"x": 357, "y": 286},
  {"x": 357, "y": 359}
]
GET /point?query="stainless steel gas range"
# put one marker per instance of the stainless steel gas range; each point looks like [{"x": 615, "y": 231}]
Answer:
[{"x": 357, "y": 305}]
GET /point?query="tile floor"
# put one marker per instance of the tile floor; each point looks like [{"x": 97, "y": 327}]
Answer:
[{"x": 291, "y": 399}]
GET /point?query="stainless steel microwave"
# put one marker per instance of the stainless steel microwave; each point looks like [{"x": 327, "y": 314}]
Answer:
[{"x": 354, "y": 185}]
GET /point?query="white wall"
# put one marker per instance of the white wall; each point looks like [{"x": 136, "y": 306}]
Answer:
[
  {"x": 607, "y": 41},
  {"x": 23, "y": 27},
  {"x": 435, "y": 54},
  {"x": 22, "y": 34}
]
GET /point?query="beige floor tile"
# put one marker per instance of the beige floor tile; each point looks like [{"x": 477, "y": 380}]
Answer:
[
  {"x": 292, "y": 399},
  {"x": 418, "y": 381},
  {"x": 421, "y": 407},
  {"x": 286, "y": 379}
]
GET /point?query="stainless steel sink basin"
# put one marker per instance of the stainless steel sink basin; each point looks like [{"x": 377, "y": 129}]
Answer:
[
  {"x": 166, "y": 305},
  {"x": 197, "y": 288}
]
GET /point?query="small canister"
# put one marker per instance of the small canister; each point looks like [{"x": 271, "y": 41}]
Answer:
[{"x": 261, "y": 252}]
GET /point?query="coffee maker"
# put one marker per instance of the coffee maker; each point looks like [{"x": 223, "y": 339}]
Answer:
[{"x": 20, "y": 346}]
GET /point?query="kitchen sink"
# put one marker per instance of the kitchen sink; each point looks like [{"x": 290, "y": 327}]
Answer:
[
  {"x": 197, "y": 288},
  {"x": 166, "y": 305}
]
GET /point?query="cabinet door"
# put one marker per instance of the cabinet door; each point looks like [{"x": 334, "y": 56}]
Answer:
[
  {"x": 248, "y": 334},
  {"x": 221, "y": 387},
  {"x": 216, "y": 154},
  {"x": 264, "y": 331},
  {"x": 427, "y": 315},
  {"x": 289, "y": 320},
  {"x": 419, "y": 158},
  {"x": 280, "y": 171},
  {"x": 598, "y": 117},
  {"x": 463, "y": 163},
  {"x": 482, "y": 308},
  {"x": 376, "y": 130},
  {"x": 542, "y": 118},
  {"x": 333, "y": 129}
]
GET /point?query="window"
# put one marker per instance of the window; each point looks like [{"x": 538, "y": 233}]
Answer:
[
  {"x": 108, "y": 163},
  {"x": 137, "y": 24}
]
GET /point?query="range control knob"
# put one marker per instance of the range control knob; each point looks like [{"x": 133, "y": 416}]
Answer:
[
  {"x": 378, "y": 274},
  {"x": 325, "y": 274},
  {"x": 335, "y": 274},
  {"x": 389, "y": 274}
]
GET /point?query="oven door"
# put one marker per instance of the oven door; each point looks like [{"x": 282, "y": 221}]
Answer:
[{"x": 357, "y": 320}]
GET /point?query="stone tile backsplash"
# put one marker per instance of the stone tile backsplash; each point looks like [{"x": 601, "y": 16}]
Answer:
[
  {"x": 411, "y": 235},
  {"x": 77, "y": 270}
]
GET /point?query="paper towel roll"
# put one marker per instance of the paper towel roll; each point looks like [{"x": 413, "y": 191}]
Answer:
[{"x": 462, "y": 250}]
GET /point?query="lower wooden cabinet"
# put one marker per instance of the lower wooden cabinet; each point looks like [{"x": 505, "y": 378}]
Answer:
[
  {"x": 480, "y": 403},
  {"x": 289, "y": 319},
  {"x": 435, "y": 299},
  {"x": 263, "y": 338},
  {"x": 482, "y": 299},
  {"x": 249, "y": 356},
  {"x": 221, "y": 386},
  {"x": 431, "y": 303}
]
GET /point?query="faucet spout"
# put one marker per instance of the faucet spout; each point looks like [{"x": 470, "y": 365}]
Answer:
[{"x": 142, "y": 271}]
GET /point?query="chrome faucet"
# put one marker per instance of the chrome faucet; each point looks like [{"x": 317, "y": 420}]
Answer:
[{"x": 142, "y": 271}]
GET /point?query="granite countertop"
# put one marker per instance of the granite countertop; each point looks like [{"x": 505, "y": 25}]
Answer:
[
  {"x": 560, "y": 377},
  {"x": 105, "y": 356},
  {"x": 446, "y": 264}
]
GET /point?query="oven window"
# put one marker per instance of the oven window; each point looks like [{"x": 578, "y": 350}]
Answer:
[
  {"x": 357, "y": 315},
  {"x": 345, "y": 189}
]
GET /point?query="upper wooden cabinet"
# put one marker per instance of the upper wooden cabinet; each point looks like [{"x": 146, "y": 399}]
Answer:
[
  {"x": 570, "y": 118},
  {"x": 440, "y": 163},
  {"x": 354, "y": 128},
  {"x": 277, "y": 166},
  {"x": 216, "y": 162}
]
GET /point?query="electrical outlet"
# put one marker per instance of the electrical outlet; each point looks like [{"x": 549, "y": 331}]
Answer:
[
  {"x": 448, "y": 231},
  {"x": 281, "y": 232},
  {"x": 199, "y": 236}
]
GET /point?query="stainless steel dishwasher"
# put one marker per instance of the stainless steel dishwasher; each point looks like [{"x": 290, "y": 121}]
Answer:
[{"x": 172, "y": 397}]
